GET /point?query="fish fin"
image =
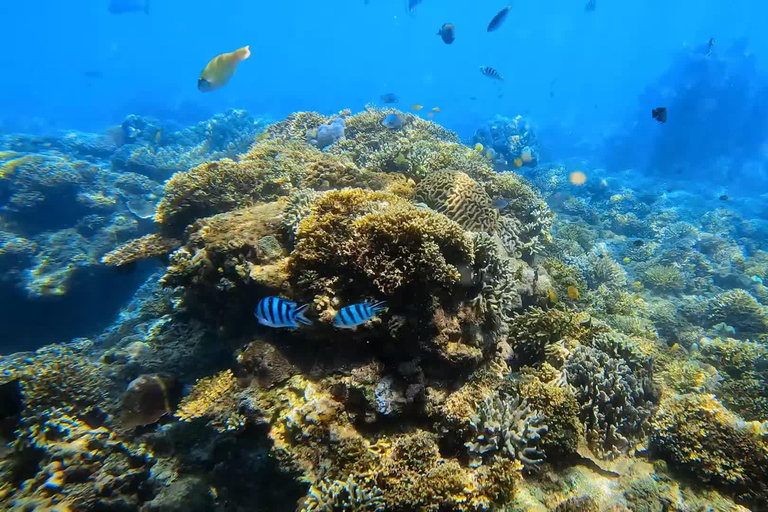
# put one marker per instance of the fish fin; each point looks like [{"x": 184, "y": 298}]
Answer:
[
  {"x": 243, "y": 53},
  {"x": 298, "y": 315}
]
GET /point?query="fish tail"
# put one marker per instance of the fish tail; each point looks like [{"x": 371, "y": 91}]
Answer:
[
  {"x": 376, "y": 307},
  {"x": 298, "y": 315}
]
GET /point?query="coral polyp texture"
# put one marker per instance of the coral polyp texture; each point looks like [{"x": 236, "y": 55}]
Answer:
[{"x": 604, "y": 358}]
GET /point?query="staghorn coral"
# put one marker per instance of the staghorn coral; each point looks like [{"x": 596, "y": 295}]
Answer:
[
  {"x": 740, "y": 310},
  {"x": 380, "y": 242},
  {"x": 696, "y": 434},
  {"x": 148, "y": 246},
  {"x": 460, "y": 198},
  {"x": 215, "y": 399},
  {"x": 615, "y": 401},
  {"x": 506, "y": 426}
]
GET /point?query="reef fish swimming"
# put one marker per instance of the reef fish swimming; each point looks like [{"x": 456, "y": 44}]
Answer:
[
  {"x": 491, "y": 73},
  {"x": 447, "y": 32},
  {"x": 357, "y": 314},
  {"x": 392, "y": 121},
  {"x": 389, "y": 98},
  {"x": 277, "y": 312},
  {"x": 497, "y": 20},
  {"x": 660, "y": 114},
  {"x": 221, "y": 68},
  {"x": 125, "y": 6}
]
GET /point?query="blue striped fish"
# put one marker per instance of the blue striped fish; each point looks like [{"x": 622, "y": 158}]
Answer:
[
  {"x": 356, "y": 314},
  {"x": 277, "y": 312}
]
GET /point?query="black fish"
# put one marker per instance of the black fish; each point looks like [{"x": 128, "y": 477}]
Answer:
[
  {"x": 499, "y": 19},
  {"x": 710, "y": 45},
  {"x": 389, "y": 98},
  {"x": 490, "y": 72},
  {"x": 638, "y": 243},
  {"x": 724, "y": 197},
  {"x": 412, "y": 5},
  {"x": 447, "y": 32},
  {"x": 660, "y": 114},
  {"x": 590, "y": 7}
]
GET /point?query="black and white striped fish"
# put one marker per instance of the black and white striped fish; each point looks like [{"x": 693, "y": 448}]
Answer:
[
  {"x": 277, "y": 312},
  {"x": 491, "y": 73},
  {"x": 357, "y": 314}
]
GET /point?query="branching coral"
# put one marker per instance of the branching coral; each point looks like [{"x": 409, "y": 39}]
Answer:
[
  {"x": 697, "y": 434},
  {"x": 740, "y": 310},
  {"x": 604, "y": 270},
  {"x": 147, "y": 246},
  {"x": 327, "y": 496},
  {"x": 215, "y": 399},
  {"x": 534, "y": 329},
  {"x": 615, "y": 402},
  {"x": 379, "y": 241},
  {"x": 508, "y": 427},
  {"x": 664, "y": 278},
  {"x": 460, "y": 198}
]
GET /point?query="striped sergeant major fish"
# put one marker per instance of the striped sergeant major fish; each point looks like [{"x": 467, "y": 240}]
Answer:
[
  {"x": 357, "y": 314},
  {"x": 490, "y": 72},
  {"x": 277, "y": 312}
]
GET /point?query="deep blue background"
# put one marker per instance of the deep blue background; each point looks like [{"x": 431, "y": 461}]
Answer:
[{"x": 336, "y": 54}]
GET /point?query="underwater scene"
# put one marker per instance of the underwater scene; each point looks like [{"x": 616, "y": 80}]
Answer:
[{"x": 384, "y": 255}]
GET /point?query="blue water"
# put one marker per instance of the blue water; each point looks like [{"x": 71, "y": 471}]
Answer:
[{"x": 332, "y": 55}]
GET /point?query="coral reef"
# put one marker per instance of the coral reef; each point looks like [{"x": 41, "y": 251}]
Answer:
[{"x": 460, "y": 198}]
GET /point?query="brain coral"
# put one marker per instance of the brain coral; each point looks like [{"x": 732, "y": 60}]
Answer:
[{"x": 460, "y": 198}]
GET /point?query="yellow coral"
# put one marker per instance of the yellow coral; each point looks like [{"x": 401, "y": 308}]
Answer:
[
  {"x": 147, "y": 246},
  {"x": 216, "y": 399},
  {"x": 460, "y": 198}
]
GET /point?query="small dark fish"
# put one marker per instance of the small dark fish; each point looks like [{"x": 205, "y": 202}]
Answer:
[
  {"x": 660, "y": 114},
  {"x": 638, "y": 243},
  {"x": 357, "y": 314},
  {"x": 473, "y": 98},
  {"x": 412, "y": 5},
  {"x": 392, "y": 121},
  {"x": 551, "y": 94},
  {"x": 710, "y": 45},
  {"x": 389, "y": 98},
  {"x": 277, "y": 312},
  {"x": 724, "y": 197},
  {"x": 491, "y": 73},
  {"x": 590, "y": 7},
  {"x": 499, "y": 19},
  {"x": 125, "y": 6},
  {"x": 92, "y": 73},
  {"x": 447, "y": 32},
  {"x": 500, "y": 203}
]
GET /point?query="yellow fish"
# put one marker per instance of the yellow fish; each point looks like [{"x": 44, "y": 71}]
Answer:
[
  {"x": 218, "y": 72},
  {"x": 435, "y": 109},
  {"x": 573, "y": 292},
  {"x": 518, "y": 162},
  {"x": 637, "y": 284},
  {"x": 478, "y": 147},
  {"x": 417, "y": 107},
  {"x": 157, "y": 136},
  {"x": 626, "y": 259},
  {"x": 552, "y": 296}
]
